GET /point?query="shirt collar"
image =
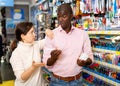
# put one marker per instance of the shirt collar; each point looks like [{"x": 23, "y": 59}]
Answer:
[
  {"x": 60, "y": 28},
  {"x": 26, "y": 44}
]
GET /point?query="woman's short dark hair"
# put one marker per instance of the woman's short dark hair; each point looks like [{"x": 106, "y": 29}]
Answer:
[{"x": 22, "y": 28}]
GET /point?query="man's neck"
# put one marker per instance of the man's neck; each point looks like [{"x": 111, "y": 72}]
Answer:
[{"x": 67, "y": 30}]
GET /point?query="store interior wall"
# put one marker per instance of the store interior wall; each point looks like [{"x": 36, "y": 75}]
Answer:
[
  {"x": 26, "y": 11},
  {"x": 10, "y": 31}
]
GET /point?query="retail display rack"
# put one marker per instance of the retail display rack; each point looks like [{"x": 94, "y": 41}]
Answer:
[
  {"x": 40, "y": 16},
  {"x": 106, "y": 55}
]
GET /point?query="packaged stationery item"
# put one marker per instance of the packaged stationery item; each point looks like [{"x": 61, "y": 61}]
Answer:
[{"x": 83, "y": 56}]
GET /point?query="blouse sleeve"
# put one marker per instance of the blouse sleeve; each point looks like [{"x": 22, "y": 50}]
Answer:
[
  {"x": 47, "y": 50},
  {"x": 17, "y": 65},
  {"x": 41, "y": 43}
]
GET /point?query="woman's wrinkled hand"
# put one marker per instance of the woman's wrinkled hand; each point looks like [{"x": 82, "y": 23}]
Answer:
[
  {"x": 37, "y": 64},
  {"x": 49, "y": 33}
]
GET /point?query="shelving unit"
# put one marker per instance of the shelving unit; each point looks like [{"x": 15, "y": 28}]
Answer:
[
  {"x": 40, "y": 18},
  {"x": 103, "y": 63},
  {"x": 102, "y": 78}
]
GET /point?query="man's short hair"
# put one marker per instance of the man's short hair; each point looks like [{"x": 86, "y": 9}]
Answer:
[{"x": 65, "y": 7}]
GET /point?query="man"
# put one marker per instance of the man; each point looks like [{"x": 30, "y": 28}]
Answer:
[{"x": 61, "y": 54}]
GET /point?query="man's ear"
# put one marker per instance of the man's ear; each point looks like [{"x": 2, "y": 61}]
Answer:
[{"x": 71, "y": 16}]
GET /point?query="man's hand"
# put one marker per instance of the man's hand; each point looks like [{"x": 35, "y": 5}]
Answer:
[
  {"x": 54, "y": 56},
  {"x": 81, "y": 62},
  {"x": 84, "y": 62},
  {"x": 88, "y": 61}
]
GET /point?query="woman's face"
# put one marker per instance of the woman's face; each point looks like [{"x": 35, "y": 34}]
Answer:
[{"x": 29, "y": 37}]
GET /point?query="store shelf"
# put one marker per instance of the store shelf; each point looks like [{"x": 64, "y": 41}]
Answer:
[
  {"x": 41, "y": 12},
  {"x": 103, "y": 50},
  {"x": 117, "y": 68},
  {"x": 104, "y": 32},
  {"x": 102, "y": 78},
  {"x": 106, "y": 51}
]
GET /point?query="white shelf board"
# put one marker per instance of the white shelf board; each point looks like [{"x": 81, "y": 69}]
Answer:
[
  {"x": 102, "y": 78},
  {"x": 103, "y": 50},
  {"x": 106, "y": 51},
  {"x": 117, "y": 68},
  {"x": 104, "y": 32}
]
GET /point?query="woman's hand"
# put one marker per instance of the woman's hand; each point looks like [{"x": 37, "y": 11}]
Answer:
[
  {"x": 37, "y": 64},
  {"x": 27, "y": 73},
  {"x": 49, "y": 33}
]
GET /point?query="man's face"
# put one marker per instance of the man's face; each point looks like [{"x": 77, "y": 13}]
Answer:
[{"x": 64, "y": 19}]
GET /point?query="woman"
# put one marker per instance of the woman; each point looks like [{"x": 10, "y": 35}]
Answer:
[{"x": 25, "y": 59}]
